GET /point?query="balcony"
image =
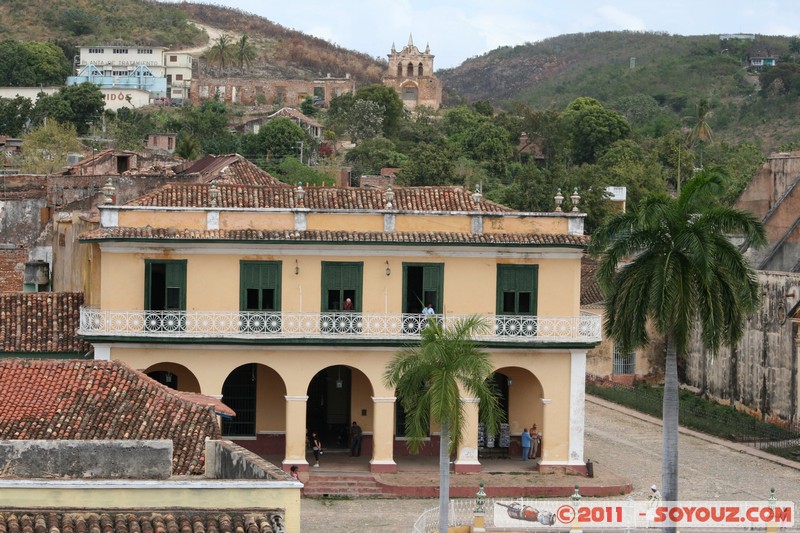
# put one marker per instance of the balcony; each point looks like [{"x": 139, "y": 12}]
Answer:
[{"x": 247, "y": 325}]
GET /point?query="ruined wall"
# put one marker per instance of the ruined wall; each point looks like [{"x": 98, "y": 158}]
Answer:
[
  {"x": 82, "y": 459},
  {"x": 12, "y": 267},
  {"x": 268, "y": 92},
  {"x": 760, "y": 373},
  {"x": 775, "y": 184}
]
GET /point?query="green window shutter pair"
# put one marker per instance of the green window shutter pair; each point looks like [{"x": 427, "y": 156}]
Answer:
[
  {"x": 517, "y": 289},
  {"x": 260, "y": 286}
]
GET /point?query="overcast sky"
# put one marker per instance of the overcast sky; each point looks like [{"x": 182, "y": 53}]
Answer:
[{"x": 460, "y": 29}]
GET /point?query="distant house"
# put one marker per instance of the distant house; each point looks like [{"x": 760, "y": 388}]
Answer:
[
  {"x": 232, "y": 169},
  {"x": 759, "y": 62},
  {"x": 162, "y": 142},
  {"x": 311, "y": 126}
]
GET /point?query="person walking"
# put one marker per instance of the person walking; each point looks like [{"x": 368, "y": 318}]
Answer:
[
  {"x": 526, "y": 444},
  {"x": 316, "y": 447},
  {"x": 355, "y": 439}
]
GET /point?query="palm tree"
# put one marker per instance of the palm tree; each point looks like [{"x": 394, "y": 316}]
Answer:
[
  {"x": 245, "y": 52},
  {"x": 682, "y": 268},
  {"x": 429, "y": 379},
  {"x": 701, "y": 130},
  {"x": 222, "y": 50}
]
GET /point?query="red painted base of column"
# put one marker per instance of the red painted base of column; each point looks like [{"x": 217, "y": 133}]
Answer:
[
  {"x": 466, "y": 468},
  {"x": 381, "y": 468}
]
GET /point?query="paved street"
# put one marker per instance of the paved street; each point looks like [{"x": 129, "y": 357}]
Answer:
[{"x": 614, "y": 441}]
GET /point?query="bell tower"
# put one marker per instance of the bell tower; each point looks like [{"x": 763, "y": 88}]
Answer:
[{"x": 410, "y": 73}]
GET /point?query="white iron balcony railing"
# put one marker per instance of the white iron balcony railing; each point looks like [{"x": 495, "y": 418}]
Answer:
[{"x": 338, "y": 325}]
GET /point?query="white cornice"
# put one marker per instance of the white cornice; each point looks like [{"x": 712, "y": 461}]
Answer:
[{"x": 497, "y": 251}]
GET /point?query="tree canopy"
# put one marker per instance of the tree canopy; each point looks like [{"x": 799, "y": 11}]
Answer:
[
  {"x": 32, "y": 63},
  {"x": 669, "y": 263}
]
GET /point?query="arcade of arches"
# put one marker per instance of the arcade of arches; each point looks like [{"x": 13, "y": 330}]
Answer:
[{"x": 281, "y": 394}]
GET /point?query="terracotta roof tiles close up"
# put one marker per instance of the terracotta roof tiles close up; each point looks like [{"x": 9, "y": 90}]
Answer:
[
  {"x": 183, "y": 521},
  {"x": 91, "y": 400},
  {"x": 439, "y": 199},
  {"x": 41, "y": 322},
  {"x": 231, "y": 169}
]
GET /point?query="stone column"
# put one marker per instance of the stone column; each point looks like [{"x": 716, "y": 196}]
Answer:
[
  {"x": 577, "y": 406},
  {"x": 547, "y": 443},
  {"x": 383, "y": 434},
  {"x": 295, "y": 433},
  {"x": 467, "y": 453}
]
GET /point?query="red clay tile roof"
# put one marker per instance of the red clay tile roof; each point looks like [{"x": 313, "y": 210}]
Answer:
[
  {"x": 183, "y": 521},
  {"x": 290, "y": 112},
  {"x": 590, "y": 289},
  {"x": 447, "y": 199},
  {"x": 91, "y": 400},
  {"x": 231, "y": 169},
  {"x": 41, "y": 322},
  {"x": 528, "y": 239}
]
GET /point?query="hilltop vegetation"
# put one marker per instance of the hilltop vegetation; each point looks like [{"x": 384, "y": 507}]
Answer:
[
  {"x": 280, "y": 52},
  {"x": 674, "y": 72}
]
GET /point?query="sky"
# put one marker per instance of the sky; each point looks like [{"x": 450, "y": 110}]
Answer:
[{"x": 457, "y": 30}]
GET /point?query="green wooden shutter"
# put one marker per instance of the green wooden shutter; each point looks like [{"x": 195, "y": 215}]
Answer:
[
  {"x": 432, "y": 283},
  {"x": 176, "y": 285}
]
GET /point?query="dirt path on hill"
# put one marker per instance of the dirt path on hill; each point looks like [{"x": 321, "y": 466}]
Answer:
[{"x": 213, "y": 35}]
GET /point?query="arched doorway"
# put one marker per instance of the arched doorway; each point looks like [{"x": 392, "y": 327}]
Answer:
[
  {"x": 409, "y": 93},
  {"x": 256, "y": 393},
  {"x": 338, "y": 396},
  {"x": 328, "y": 407},
  {"x": 174, "y": 376}
]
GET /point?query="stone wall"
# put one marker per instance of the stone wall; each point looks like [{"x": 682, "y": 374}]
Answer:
[
  {"x": 82, "y": 459},
  {"x": 268, "y": 92},
  {"x": 226, "y": 460},
  {"x": 760, "y": 373},
  {"x": 12, "y": 267}
]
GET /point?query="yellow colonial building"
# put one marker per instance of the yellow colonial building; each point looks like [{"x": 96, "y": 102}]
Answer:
[{"x": 241, "y": 292}]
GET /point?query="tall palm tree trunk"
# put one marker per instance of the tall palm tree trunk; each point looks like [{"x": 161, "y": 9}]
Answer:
[
  {"x": 444, "y": 476},
  {"x": 669, "y": 475}
]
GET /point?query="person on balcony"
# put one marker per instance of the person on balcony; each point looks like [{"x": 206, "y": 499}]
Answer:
[
  {"x": 428, "y": 310},
  {"x": 348, "y": 304}
]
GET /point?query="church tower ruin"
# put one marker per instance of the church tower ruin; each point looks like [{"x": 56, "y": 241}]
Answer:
[{"x": 410, "y": 73}]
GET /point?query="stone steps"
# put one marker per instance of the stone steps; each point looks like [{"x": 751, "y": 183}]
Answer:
[{"x": 342, "y": 486}]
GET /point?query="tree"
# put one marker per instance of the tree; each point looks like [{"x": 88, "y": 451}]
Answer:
[
  {"x": 187, "y": 147},
  {"x": 429, "y": 380},
  {"x": 45, "y": 149},
  {"x": 279, "y": 138},
  {"x": 593, "y": 128},
  {"x": 244, "y": 52},
  {"x": 429, "y": 164},
  {"x": 388, "y": 98},
  {"x": 79, "y": 104},
  {"x": 371, "y": 155},
  {"x": 223, "y": 50},
  {"x": 32, "y": 63},
  {"x": 682, "y": 270},
  {"x": 79, "y": 22},
  {"x": 14, "y": 115},
  {"x": 701, "y": 131},
  {"x": 365, "y": 120}
]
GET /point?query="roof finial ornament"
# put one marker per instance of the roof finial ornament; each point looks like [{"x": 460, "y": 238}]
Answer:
[
  {"x": 477, "y": 195},
  {"x": 428, "y": 48},
  {"x": 299, "y": 192},
  {"x": 389, "y": 196},
  {"x": 213, "y": 192},
  {"x": 394, "y": 50},
  {"x": 410, "y": 40},
  {"x": 109, "y": 191}
]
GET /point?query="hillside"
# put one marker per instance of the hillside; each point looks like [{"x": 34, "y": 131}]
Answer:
[
  {"x": 676, "y": 71},
  {"x": 281, "y": 52}
]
